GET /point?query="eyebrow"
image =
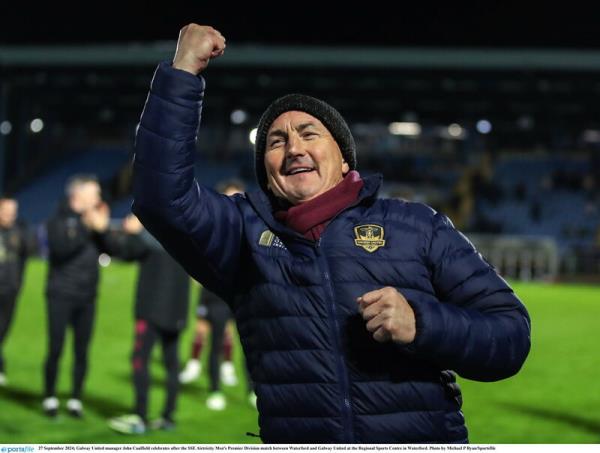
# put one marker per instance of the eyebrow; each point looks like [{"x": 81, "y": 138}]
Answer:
[
  {"x": 299, "y": 128},
  {"x": 278, "y": 133},
  {"x": 303, "y": 126}
]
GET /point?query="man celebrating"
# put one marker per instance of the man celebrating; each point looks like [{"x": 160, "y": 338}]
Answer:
[{"x": 351, "y": 308}]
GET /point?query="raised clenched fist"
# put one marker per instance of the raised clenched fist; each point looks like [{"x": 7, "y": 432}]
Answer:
[{"x": 196, "y": 46}]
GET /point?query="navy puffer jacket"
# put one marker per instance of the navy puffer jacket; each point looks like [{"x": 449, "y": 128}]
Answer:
[{"x": 320, "y": 377}]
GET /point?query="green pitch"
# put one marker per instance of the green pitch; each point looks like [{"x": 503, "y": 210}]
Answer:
[{"x": 555, "y": 398}]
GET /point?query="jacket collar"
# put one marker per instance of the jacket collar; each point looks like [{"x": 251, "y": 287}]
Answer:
[{"x": 263, "y": 204}]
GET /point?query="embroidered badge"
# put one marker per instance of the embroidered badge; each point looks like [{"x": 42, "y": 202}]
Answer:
[
  {"x": 268, "y": 239},
  {"x": 369, "y": 237}
]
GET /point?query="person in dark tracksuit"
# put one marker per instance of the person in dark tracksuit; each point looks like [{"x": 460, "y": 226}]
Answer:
[
  {"x": 15, "y": 245},
  {"x": 161, "y": 308},
  {"x": 354, "y": 310},
  {"x": 77, "y": 235},
  {"x": 214, "y": 316}
]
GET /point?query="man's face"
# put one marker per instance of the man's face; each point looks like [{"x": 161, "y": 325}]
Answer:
[
  {"x": 8, "y": 212},
  {"x": 302, "y": 159},
  {"x": 86, "y": 196}
]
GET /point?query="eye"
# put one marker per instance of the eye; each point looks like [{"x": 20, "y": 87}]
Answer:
[
  {"x": 276, "y": 142},
  {"x": 309, "y": 135}
]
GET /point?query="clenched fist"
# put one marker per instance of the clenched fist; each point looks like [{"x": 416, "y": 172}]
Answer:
[
  {"x": 196, "y": 45},
  {"x": 388, "y": 314}
]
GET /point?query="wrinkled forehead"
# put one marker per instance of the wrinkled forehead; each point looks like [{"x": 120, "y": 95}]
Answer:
[{"x": 295, "y": 119}]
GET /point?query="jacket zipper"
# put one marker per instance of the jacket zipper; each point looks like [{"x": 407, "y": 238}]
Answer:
[{"x": 342, "y": 371}]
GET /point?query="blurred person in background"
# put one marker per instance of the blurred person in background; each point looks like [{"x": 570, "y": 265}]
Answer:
[
  {"x": 161, "y": 308},
  {"x": 214, "y": 314},
  {"x": 16, "y": 243},
  {"x": 77, "y": 235},
  {"x": 352, "y": 309},
  {"x": 210, "y": 306}
]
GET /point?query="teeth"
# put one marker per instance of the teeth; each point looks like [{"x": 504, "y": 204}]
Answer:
[{"x": 299, "y": 170}]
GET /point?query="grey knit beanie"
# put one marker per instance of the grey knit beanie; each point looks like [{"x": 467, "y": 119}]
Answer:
[{"x": 324, "y": 112}]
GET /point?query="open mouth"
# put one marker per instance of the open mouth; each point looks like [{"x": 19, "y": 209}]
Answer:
[{"x": 298, "y": 170}]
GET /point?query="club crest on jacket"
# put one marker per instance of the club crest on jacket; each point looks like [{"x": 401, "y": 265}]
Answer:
[{"x": 369, "y": 237}]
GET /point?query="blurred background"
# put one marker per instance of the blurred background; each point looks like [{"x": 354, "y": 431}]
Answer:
[{"x": 490, "y": 115}]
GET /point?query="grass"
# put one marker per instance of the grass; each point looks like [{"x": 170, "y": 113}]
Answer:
[
  {"x": 554, "y": 399},
  {"x": 108, "y": 391}
]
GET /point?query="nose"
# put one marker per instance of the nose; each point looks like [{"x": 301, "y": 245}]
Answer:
[{"x": 294, "y": 146}]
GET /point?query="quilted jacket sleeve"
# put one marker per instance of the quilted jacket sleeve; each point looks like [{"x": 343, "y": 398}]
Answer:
[
  {"x": 479, "y": 328},
  {"x": 199, "y": 227}
]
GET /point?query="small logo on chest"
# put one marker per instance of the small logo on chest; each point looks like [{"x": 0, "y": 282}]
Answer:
[
  {"x": 268, "y": 239},
  {"x": 369, "y": 237}
]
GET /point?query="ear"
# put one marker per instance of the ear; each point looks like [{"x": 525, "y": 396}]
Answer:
[{"x": 345, "y": 168}]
